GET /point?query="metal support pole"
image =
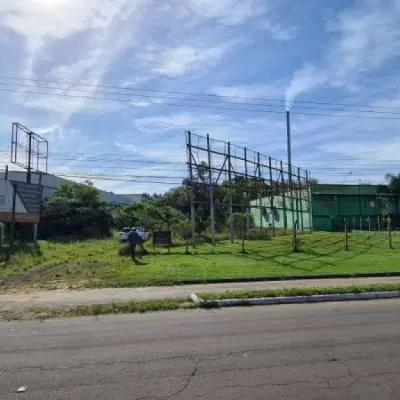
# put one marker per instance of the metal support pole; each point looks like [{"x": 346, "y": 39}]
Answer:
[
  {"x": 359, "y": 202},
  {"x": 260, "y": 200},
  {"x": 231, "y": 233},
  {"x": 309, "y": 193},
  {"x": 191, "y": 191},
  {"x": 346, "y": 232},
  {"x": 271, "y": 188},
  {"x": 247, "y": 195},
  {"x": 12, "y": 233},
  {"x": 390, "y": 232},
  {"x": 29, "y": 173},
  {"x": 300, "y": 200},
  {"x": 283, "y": 200},
  {"x": 289, "y": 156},
  {"x": 210, "y": 182},
  {"x": 6, "y": 173}
]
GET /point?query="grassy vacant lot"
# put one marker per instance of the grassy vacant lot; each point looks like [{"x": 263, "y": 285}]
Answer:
[{"x": 98, "y": 263}]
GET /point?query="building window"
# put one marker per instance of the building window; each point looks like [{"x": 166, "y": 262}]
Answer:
[{"x": 369, "y": 204}]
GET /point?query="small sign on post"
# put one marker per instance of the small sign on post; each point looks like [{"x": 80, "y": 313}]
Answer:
[{"x": 162, "y": 238}]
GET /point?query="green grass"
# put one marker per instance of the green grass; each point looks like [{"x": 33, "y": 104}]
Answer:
[
  {"x": 98, "y": 263},
  {"x": 182, "y": 304},
  {"x": 286, "y": 292},
  {"x": 100, "y": 309}
]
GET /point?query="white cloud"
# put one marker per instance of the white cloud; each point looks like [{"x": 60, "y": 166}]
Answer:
[
  {"x": 102, "y": 22},
  {"x": 177, "y": 61},
  {"x": 277, "y": 31},
  {"x": 227, "y": 12},
  {"x": 363, "y": 39}
]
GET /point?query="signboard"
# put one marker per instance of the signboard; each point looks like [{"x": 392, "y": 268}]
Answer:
[
  {"x": 162, "y": 238},
  {"x": 30, "y": 196},
  {"x": 27, "y": 201}
]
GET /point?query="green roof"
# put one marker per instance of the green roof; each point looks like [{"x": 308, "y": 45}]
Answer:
[{"x": 325, "y": 188}]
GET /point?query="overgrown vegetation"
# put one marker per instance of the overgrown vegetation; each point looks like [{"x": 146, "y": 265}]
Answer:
[
  {"x": 97, "y": 263},
  {"x": 75, "y": 210}
]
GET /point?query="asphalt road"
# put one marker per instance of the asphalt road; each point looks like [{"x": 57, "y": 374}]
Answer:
[{"x": 319, "y": 351}]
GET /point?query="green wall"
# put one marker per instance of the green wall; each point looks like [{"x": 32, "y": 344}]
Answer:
[
  {"x": 273, "y": 212},
  {"x": 360, "y": 205}
]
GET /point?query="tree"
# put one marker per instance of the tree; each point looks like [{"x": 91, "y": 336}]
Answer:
[
  {"x": 393, "y": 183},
  {"x": 75, "y": 209},
  {"x": 151, "y": 214}
]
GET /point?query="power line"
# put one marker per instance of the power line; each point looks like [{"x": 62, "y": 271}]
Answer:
[
  {"x": 192, "y": 93},
  {"x": 203, "y": 107},
  {"x": 212, "y": 101}
]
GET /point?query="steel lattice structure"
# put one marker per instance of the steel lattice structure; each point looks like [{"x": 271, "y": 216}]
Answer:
[{"x": 268, "y": 187}]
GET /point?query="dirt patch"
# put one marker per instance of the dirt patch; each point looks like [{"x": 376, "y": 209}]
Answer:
[{"x": 44, "y": 272}]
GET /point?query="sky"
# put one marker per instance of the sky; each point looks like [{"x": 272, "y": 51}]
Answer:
[{"x": 227, "y": 68}]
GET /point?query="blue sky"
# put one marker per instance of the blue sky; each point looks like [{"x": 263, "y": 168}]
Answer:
[{"x": 335, "y": 52}]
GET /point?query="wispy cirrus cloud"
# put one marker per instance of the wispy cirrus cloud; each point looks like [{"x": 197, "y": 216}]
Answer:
[{"x": 362, "y": 40}]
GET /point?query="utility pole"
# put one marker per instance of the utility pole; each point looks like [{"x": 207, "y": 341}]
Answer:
[
  {"x": 191, "y": 190},
  {"x": 231, "y": 233},
  {"x": 210, "y": 181},
  {"x": 289, "y": 156}
]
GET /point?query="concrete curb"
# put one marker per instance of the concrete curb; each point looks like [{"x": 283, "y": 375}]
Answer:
[
  {"x": 287, "y": 278},
  {"x": 195, "y": 299},
  {"x": 296, "y": 299}
]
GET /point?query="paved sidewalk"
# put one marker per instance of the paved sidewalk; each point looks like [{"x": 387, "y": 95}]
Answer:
[{"x": 64, "y": 298}]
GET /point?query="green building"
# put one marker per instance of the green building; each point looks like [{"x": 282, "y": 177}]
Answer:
[{"x": 362, "y": 206}]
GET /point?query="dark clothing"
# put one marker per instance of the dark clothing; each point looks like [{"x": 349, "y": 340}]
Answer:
[{"x": 134, "y": 240}]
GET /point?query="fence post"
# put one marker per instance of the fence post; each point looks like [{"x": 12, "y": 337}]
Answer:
[
  {"x": 295, "y": 246},
  {"x": 346, "y": 233},
  {"x": 390, "y": 232},
  {"x": 379, "y": 223},
  {"x": 187, "y": 237},
  {"x": 243, "y": 230},
  {"x": 369, "y": 224}
]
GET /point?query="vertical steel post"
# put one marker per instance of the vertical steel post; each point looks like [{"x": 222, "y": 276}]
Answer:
[
  {"x": 248, "y": 206},
  {"x": 191, "y": 193},
  {"x": 29, "y": 173},
  {"x": 271, "y": 186},
  {"x": 300, "y": 190},
  {"x": 210, "y": 181},
  {"x": 310, "y": 204},
  {"x": 231, "y": 233},
  {"x": 285, "y": 224},
  {"x": 260, "y": 199},
  {"x": 289, "y": 156},
  {"x": 13, "y": 218}
]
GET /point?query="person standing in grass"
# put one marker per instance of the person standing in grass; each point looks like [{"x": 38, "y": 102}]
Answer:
[{"x": 134, "y": 240}]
